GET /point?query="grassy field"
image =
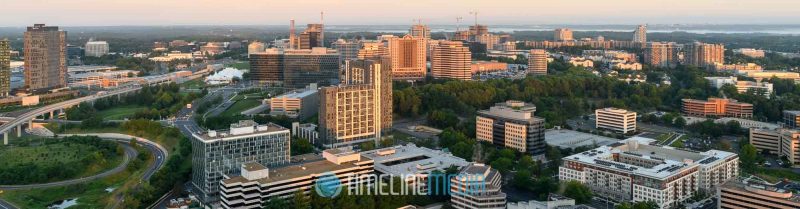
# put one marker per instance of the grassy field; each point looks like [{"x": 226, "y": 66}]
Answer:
[
  {"x": 120, "y": 113},
  {"x": 679, "y": 142},
  {"x": 239, "y": 65},
  {"x": 34, "y": 152},
  {"x": 240, "y": 106},
  {"x": 95, "y": 194},
  {"x": 194, "y": 84}
]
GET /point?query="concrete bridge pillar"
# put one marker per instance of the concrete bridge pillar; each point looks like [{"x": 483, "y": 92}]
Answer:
[
  {"x": 51, "y": 115},
  {"x": 19, "y": 131},
  {"x": 5, "y": 138},
  {"x": 30, "y": 125}
]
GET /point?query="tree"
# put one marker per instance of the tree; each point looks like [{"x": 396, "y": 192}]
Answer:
[
  {"x": 276, "y": 203},
  {"x": 679, "y": 122},
  {"x": 522, "y": 179},
  {"x": 637, "y": 205},
  {"x": 503, "y": 165},
  {"x": 299, "y": 200},
  {"x": 748, "y": 157},
  {"x": 581, "y": 193}
]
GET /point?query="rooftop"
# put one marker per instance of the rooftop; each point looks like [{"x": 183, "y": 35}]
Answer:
[
  {"x": 762, "y": 188},
  {"x": 299, "y": 167},
  {"x": 301, "y": 93},
  {"x": 242, "y": 128},
  {"x": 572, "y": 139},
  {"x": 657, "y": 162},
  {"x": 89, "y": 68},
  {"x": 410, "y": 159}
]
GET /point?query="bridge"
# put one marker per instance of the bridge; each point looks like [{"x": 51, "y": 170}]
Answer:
[{"x": 28, "y": 117}]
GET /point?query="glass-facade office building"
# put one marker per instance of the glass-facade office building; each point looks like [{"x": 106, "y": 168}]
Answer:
[{"x": 222, "y": 153}]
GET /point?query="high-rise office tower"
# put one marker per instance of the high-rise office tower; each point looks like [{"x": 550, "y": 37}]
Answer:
[
  {"x": 408, "y": 58},
  {"x": 5, "y": 68},
  {"x": 306, "y": 66},
  {"x": 348, "y": 49},
  {"x": 45, "y": 58},
  {"x": 266, "y": 67},
  {"x": 477, "y": 30},
  {"x": 96, "y": 48},
  {"x": 562, "y": 34},
  {"x": 358, "y": 109},
  {"x": 420, "y": 30},
  {"x": 537, "y": 62},
  {"x": 312, "y": 37},
  {"x": 640, "y": 34},
  {"x": 661, "y": 54},
  {"x": 372, "y": 50},
  {"x": 451, "y": 59},
  {"x": 216, "y": 154},
  {"x": 255, "y": 47},
  {"x": 703, "y": 54}
]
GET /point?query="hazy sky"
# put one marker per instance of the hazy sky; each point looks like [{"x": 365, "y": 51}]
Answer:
[{"x": 361, "y": 12}]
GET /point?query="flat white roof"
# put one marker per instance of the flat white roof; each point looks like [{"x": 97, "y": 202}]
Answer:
[
  {"x": 672, "y": 160},
  {"x": 410, "y": 159},
  {"x": 565, "y": 138}
]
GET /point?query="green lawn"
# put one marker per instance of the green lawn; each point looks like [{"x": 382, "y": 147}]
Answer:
[
  {"x": 89, "y": 195},
  {"x": 194, "y": 84},
  {"x": 663, "y": 137},
  {"x": 34, "y": 151},
  {"x": 679, "y": 142},
  {"x": 239, "y": 65},
  {"x": 240, "y": 106},
  {"x": 120, "y": 113}
]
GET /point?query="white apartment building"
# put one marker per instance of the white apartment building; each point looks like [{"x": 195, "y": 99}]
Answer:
[
  {"x": 633, "y": 170},
  {"x": 302, "y": 103},
  {"x": 615, "y": 119},
  {"x": 757, "y": 87},
  {"x": 96, "y": 48}
]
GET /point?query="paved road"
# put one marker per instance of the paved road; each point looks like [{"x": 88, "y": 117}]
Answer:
[
  {"x": 130, "y": 153},
  {"x": 158, "y": 151},
  {"x": 7, "y": 205}
]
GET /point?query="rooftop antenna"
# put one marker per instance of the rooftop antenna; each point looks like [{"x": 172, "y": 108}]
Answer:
[
  {"x": 458, "y": 23},
  {"x": 475, "y": 13},
  {"x": 322, "y": 26}
]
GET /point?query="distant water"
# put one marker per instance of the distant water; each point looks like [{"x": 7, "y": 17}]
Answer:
[{"x": 701, "y": 29}]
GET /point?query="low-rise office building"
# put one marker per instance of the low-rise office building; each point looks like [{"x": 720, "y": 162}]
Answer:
[
  {"x": 302, "y": 104},
  {"x": 477, "y": 186},
  {"x": 756, "y": 87},
  {"x": 553, "y": 201},
  {"x": 257, "y": 184},
  {"x": 750, "y": 193},
  {"x": 717, "y": 107},
  {"x": 414, "y": 163},
  {"x": 305, "y": 131},
  {"x": 512, "y": 124},
  {"x": 633, "y": 170},
  {"x": 766, "y": 75},
  {"x": 615, "y": 119},
  {"x": 791, "y": 118}
]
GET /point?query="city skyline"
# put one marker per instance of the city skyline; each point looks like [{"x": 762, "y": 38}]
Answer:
[{"x": 351, "y": 12}]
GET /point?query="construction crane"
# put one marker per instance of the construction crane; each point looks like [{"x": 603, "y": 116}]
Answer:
[{"x": 475, "y": 13}]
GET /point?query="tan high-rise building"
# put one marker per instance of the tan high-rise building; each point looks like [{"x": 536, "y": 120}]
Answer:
[
  {"x": 703, "y": 55},
  {"x": 661, "y": 54},
  {"x": 451, "y": 59},
  {"x": 358, "y": 109},
  {"x": 420, "y": 30},
  {"x": 640, "y": 34},
  {"x": 562, "y": 34},
  {"x": 537, "y": 62},
  {"x": 313, "y": 36},
  {"x": 5, "y": 68},
  {"x": 408, "y": 58},
  {"x": 255, "y": 47},
  {"x": 45, "y": 58},
  {"x": 477, "y": 30},
  {"x": 372, "y": 50}
]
